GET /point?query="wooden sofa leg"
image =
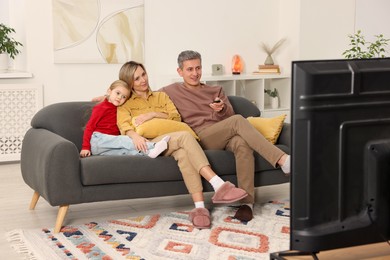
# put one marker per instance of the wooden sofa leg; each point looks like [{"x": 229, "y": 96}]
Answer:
[
  {"x": 60, "y": 217},
  {"x": 34, "y": 200}
]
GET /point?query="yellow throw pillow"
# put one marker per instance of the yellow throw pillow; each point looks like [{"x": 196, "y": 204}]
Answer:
[
  {"x": 269, "y": 127},
  {"x": 158, "y": 126}
]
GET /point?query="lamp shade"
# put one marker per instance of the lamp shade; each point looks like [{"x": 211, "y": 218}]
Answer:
[{"x": 237, "y": 64}]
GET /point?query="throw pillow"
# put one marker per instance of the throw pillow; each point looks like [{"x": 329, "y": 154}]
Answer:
[
  {"x": 270, "y": 128},
  {"x": 158, "y": 126}
]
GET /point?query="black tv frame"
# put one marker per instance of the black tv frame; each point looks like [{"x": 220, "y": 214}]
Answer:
[{"x": 341, "y": 123}]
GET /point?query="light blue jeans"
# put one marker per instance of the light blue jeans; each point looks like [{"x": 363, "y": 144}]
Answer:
[{"x": 103, "y": 144}]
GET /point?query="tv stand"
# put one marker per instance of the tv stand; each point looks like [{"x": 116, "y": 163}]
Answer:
[{"x": 282, "y": 254}]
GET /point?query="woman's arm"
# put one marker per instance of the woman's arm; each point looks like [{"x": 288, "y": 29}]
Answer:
[
  {"x": 124, "y": 118},
  {"x": 139, "y": 141},
  {"x": 166, "y": 109}
]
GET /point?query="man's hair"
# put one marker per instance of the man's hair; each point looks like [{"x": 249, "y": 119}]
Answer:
[{"x": 188, "y": 55}]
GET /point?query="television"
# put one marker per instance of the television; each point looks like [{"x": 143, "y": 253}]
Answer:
[{"x": 340, "y": 154}]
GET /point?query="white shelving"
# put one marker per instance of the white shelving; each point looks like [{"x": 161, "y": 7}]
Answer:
[
  {"x": 252, "y": 87},
  {"x": 14, "y": 74}
]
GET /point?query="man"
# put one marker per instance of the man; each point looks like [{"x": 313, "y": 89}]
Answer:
[{"x": 208, "y": 111}]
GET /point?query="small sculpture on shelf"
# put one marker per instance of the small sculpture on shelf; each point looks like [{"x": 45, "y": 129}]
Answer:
[{"x": 269, "y": 60}]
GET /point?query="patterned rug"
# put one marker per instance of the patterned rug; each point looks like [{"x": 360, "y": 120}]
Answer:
[{"x": 165, "y": 236}]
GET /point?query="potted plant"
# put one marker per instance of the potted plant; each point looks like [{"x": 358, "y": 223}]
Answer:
[
  {"x": 9, "y": 47},
  {"x": 274, "y": 97},
  {"x": 361, "y": 49}
]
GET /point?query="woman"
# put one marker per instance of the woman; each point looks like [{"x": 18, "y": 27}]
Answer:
[{"x": 145, "y": 105}]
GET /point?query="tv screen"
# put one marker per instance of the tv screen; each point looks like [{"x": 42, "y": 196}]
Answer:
[{"x": 340, "y": 153}]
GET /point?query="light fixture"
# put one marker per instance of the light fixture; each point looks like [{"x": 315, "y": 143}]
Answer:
[{"x": 237, "y": 65}]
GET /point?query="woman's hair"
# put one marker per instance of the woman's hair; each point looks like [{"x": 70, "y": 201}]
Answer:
[
  {"x": 126, "y": 73},
  {"x": 188, "y": 55}
]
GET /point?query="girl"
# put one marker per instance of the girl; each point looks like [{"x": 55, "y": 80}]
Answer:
[{"x": 101, "y": 134}]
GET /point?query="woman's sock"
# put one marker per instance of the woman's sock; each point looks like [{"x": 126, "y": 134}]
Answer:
[
  {"x": 216, "y": 182},
  {"x": 159, "y": 147}
]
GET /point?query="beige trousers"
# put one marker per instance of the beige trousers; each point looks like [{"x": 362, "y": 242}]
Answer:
[
  {"x": 236, "y": 134},
  {"x": 189, "y": 156}
]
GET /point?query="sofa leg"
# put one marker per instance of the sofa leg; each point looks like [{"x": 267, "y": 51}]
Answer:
[
  {"x": 60, "y": 217},
  {"x": 34, "y": 200}
]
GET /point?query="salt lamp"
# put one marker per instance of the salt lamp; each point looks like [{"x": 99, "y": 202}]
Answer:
[{"x": 237, "y": 65}]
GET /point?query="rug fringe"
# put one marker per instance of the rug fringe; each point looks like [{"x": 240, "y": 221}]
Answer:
[{"x": 18, "y": 243}]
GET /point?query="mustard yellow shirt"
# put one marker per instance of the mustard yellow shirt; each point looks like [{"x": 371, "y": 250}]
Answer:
[{"x": 136, "y": 105}]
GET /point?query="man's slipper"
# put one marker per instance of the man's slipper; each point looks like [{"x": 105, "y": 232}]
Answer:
[
  {"x": 200, "y": 218},
  {"x": 244, "y": 213},
  {"x": 228, "y": 193}
]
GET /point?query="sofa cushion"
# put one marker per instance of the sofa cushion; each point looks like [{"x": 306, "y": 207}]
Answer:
[
  {"x": 159, "y": 126},
  {"x": 270, "y": 128}
]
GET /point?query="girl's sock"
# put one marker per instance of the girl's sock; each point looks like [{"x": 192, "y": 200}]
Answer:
[
  {"x": 216, "y": 182},
  {"x": 159, "y": 147}
]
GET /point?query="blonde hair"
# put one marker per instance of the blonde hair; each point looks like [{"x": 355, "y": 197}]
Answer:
[
  {"x": 119, "y": 83},
  {"x": 126, "y": 73}
]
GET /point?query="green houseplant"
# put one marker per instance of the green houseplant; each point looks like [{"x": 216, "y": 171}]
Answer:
[
  {"x": 272, "y": 93},
  {"x": 362, "y": 49},
  {"x": 8, "y": 45},
  {"x": 274, "y": 97}
]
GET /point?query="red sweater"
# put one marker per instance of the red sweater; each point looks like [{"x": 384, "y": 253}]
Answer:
[{"x": 102, "y": 120}]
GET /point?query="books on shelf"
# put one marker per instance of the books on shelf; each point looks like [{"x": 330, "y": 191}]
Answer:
[{"x": 268, "y": 69}]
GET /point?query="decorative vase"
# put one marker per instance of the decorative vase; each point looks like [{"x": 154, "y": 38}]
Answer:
[
  {"x": 4, "y": 61},
  {"x": 275, "y": 103},
  {"x": 269, "y": 60}
]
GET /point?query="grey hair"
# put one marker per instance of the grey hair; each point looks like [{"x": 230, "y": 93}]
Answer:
[{"x": 188, "y": 55}]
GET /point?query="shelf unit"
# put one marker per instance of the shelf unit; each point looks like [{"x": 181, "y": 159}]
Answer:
[
  {"x": 251, "y": 86},
  {"x": 14, "y": 74}
]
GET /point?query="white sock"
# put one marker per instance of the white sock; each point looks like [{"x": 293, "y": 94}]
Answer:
[
  {"x": 216, "y": 182},
  {"x": 199, "y": 204},
  {"x": 286, "y": 166},
  {"x": 159, "y": 147}
]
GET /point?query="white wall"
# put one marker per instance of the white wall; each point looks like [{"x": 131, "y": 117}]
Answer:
[
  {"x": 372, "y": 18},
  {"x": 324, "y": 26},
  {"x": 218, "y": 29}
]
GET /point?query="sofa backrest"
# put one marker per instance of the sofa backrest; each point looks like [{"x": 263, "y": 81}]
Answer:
[
  {"x": 68, "y": 119},
  {"x": 243, "y": 106}
]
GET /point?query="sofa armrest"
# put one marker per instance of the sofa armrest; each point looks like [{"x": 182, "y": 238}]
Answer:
[
  {"x": 50, "y": 165},
  {"x": 285, "y": 135}
]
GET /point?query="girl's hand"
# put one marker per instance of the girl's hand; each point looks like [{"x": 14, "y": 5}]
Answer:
[{"x": 85, "y": 153}]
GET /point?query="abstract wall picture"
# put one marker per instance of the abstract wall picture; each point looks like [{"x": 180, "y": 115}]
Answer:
[{"x": 98, "y": 31}]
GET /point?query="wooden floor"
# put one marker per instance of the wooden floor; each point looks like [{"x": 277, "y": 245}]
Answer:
[{"x": 15, "y": 198}]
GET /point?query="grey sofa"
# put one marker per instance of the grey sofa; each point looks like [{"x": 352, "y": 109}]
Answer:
[{"x": 51, "y": 166}]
